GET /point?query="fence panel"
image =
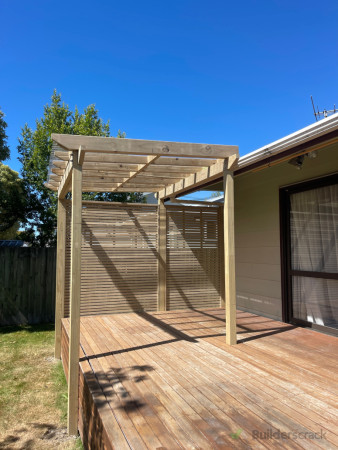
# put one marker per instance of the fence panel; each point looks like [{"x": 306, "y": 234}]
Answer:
[{"x": 27, "y": 285}]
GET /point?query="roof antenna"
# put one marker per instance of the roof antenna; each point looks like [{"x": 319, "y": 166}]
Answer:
[{"x": 324, "y": 113}]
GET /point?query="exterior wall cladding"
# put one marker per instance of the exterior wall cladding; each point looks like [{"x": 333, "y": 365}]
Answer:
[{"x": 257, "y": 229}]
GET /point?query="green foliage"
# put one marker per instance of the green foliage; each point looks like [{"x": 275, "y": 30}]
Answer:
[
  {"x": 12, "y": 202},
  {"x": 35, "y": 148},
  {"x": 216, "y": 194},
  {"x": 4, "y": 149}
]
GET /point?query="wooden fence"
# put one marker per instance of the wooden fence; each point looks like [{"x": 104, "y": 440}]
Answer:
[{"x": 27, "y": 285}]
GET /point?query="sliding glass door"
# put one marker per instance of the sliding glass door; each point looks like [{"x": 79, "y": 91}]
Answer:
[{"x": 312, "y": 252}]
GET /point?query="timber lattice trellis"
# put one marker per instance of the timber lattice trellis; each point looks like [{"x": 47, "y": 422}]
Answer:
[{"x": 27, "y": 285}]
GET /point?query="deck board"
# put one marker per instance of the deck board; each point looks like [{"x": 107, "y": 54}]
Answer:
[{"x": 168, "y": 380}]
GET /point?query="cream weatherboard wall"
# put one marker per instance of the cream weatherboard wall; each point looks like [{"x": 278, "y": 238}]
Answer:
[{"x": 257, "y": 233}]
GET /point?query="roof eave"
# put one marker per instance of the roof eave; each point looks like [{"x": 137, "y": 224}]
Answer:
[{"x": 292, "y": 141}]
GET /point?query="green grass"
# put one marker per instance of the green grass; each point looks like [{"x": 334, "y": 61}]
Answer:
[
  {"x": 33, "y": 390},
  {"x": 61, "y": 397}
]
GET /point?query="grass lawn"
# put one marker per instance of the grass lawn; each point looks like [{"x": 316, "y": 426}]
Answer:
[{"x": 33, "y": 391}]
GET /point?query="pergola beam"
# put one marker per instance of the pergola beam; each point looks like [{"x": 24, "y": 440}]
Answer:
[
  {"x": 137, "y": 159},
  {"x": 92, "y": 165},
  {"x": 141, "y": 147},
  {"x": 188, "y": 162},
  {"x": 171, "y": 169},
  {"x": 105, "y": 157},
  {"x": 81, "y": 156},
  {"x": 129, "y": 167},
  {"x": 66, "y": 180},
  {"x": 194, "y": 180},
  {"x": 106, "y": 173}
]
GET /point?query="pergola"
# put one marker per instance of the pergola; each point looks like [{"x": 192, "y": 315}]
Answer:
[{"x": 101, "y": 164}]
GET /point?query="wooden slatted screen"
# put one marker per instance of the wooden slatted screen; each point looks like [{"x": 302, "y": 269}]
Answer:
[
  {"x": 194, "y": 257},
  {"x": 118, "y": 258},
  {"x": 68, "y": 206}
]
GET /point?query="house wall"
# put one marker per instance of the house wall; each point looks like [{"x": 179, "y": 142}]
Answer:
[{"x": 257, "y": 234}]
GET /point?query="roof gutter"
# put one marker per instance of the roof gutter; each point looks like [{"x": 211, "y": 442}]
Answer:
[
  {"x": 314, "y": 134},
  {"x": 310, "y": 138}
]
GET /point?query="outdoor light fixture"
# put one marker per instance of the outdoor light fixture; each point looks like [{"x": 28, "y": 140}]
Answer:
[
  {"x": 297, "y": 161},
  {"x": 312, "y": 155}
]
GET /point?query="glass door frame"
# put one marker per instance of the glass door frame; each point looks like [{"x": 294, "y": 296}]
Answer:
[{"x": 285, "y": 246}]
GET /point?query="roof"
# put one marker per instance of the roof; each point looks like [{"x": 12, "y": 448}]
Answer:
[
  {"x": 304, "y": 136},
  {"x": 130, "y": 165}
]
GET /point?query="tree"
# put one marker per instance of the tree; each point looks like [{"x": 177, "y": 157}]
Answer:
[
  {"x": 12, "y": 202},
  {"x": 216, "y": 194},
  {"x": 4, "y": 149},
  {"x": 35, "y": 148}
]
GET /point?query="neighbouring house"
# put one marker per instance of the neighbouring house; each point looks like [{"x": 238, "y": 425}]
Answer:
[{"x": 12, "y": 243}]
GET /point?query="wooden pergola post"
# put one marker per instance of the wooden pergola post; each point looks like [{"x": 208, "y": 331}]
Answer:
[
  {"x": 229, "y": 252},
  {"x": 60, "y": 274},
  {"x": 162, "y": 257},
  {"x": 75, "y": 296}
]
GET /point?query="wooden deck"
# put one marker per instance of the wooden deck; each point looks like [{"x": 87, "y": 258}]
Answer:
[{"x": 168, "y": 380}]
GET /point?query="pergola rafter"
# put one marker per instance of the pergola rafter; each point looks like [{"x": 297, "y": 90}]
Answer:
[
  {"x": 100, "y": 164},
  {"x": 127, "y": 165},
  {"x": 141, "y": 168}
]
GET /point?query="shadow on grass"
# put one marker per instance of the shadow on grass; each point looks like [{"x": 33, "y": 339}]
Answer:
[
  {"x": 34, "y": 434},
  {"x": 29, "y": 328}
]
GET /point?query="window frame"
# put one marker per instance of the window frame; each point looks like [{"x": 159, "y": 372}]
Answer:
[{"x": 285, "y": 245}]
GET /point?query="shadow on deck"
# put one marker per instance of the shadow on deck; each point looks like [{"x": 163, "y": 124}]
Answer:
[{"x": 168, "y": 380}]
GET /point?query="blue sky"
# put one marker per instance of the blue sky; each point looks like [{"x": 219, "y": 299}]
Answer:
[{"x": 214, "y": 72}]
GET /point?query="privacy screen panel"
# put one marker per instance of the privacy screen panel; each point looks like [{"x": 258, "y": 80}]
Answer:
[
  {"x": 194, "y": 257},
  {"x": 118, "y": 259}
]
